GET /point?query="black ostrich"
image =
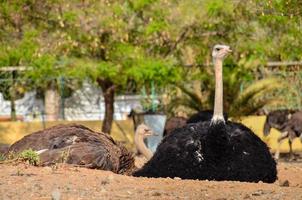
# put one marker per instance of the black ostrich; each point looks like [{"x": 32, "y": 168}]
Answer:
[{"x": 213, "y": 150}]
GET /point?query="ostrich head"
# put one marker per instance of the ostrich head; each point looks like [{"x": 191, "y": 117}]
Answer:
[
  {"x": 219, "y": 53},
  {"x": 143, "y": 131}
]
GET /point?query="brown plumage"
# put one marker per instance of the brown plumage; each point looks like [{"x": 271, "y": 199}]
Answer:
[
  {"x": 289, "y": 123},
  {"x": 77, "y": 144}
]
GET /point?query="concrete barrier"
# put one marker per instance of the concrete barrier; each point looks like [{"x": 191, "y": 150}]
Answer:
[{"x": 11, "y": 132}]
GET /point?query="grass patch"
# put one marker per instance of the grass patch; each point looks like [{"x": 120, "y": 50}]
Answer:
[
  {"x": 30, "y": 156},
  {"x": 2, "y": 157}
]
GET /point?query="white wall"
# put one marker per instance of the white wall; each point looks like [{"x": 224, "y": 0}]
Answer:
[{"x": 84, "y": 104}]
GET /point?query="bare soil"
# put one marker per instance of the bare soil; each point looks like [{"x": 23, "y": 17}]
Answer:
[{"x": 21, "y": 181}]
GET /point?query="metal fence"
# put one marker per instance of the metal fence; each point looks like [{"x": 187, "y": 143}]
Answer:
[{"x": 291, "y": 93}]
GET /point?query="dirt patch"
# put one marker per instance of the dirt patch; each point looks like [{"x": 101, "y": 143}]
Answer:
[{"x": 67, "y": 182}]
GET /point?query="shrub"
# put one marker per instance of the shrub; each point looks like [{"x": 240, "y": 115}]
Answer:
[{"x": 29, "y": 156}]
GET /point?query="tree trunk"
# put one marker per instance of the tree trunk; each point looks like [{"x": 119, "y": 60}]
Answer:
[
  {"x": 13, "y": 114},
  {"x": 52, "y": 102},
  {"x": 108, "y": 89},
  {"x": 12, "y": 91}
]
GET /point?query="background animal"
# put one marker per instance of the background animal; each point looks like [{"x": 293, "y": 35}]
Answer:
[
  {"x": 173, "y": 123},
  {"x": 213, "y": 150},
  {"x": 143, "y": 154},
  {"x": 77, "y": 144},
  {"x": 142, "y": 132},
  {"x": 289, "y": 123}
]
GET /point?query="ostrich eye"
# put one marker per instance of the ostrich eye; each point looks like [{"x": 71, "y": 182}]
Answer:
[
  {"x": 147, "y": 130},
  {"x": 217, "y": 49}
]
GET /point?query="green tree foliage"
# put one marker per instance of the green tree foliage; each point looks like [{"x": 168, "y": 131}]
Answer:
[
  {"x": 108, "y": 41},
  {"x": 258, "y": 32},
  {"x": 16, "y": 53},
  {"x": 23, "y": 26},
  {"x": 120, "y": 43}
]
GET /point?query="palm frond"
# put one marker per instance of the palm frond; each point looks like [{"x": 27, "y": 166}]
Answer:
[
  {"x": 255, "y": 96},
  {"x": 193, "y": 95}
]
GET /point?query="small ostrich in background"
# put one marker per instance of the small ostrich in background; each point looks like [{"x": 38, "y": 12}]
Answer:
[
  {"x": 143, "y": 154},
  {"x": 142, "y": 132},
  {"x": 289, "y": 123},
  {"x": 213, "y": 150}
]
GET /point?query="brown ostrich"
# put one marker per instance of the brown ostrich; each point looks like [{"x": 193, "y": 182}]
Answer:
[
  {"x": 79, "y": 145},
  {"x": 289, "y": 123}
]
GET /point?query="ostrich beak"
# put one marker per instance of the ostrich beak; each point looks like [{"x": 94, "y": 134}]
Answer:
[
  {"x": 229, "y": 50},
  {"x": 151, "y": 133}
]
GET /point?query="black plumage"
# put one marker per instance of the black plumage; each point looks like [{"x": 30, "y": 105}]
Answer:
[{"x": 228, "y": 151}]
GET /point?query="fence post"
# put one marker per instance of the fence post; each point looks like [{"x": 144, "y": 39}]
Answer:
[
  {"x": 62, "y": 85},
  {"x": 13, "y": 96}
]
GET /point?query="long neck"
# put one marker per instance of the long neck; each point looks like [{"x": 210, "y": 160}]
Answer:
[
  {"x": 218, "y": 105},
  {"x": 141, "y": 147}
]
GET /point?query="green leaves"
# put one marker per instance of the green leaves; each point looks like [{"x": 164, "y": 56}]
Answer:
[
  {"x": 19, "y": 52},
  {"x": 218, "y": 7},
  {"x": 138, "y": 5},
  {"x": 150, "y": 69},
  {"x": 30, "y": 156},
  {"x": 139, "y": 41},
  {"x": 43, "y": 69},
  {"x": 155, "y": 27}
]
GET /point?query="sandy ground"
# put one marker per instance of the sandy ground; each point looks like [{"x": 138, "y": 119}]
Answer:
[{"x": 67, "y": 182}]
